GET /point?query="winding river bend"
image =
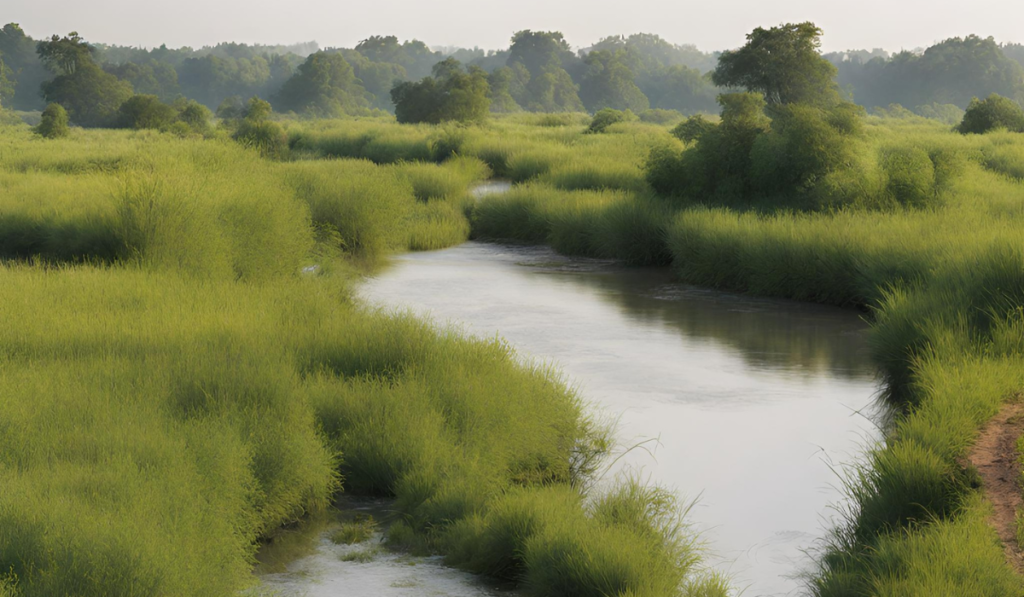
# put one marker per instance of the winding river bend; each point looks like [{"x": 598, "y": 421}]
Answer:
[
  {"x": 754, "y": 403},
  {"x": 751, "y": 407}
]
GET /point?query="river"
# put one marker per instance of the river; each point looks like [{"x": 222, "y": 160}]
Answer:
[{"x": 749, "y": 407}]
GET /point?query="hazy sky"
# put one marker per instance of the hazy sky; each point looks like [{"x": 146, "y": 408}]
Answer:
[{"x": 710, "y": 24}]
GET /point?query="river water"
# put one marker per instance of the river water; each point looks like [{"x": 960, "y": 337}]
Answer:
[{"x": 749, "y": 407}]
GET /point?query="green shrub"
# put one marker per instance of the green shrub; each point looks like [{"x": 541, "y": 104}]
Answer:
[
  {"x": 54, "y": 122},
  {"x": 145, "y": 112},
  {"x": 692, "y": 128},
  {"x": 265, "y": 136},
  {"x": 993, "y": 112},
  {"x": 910, "y": 175},
  {"x": 607, "y": 117}
]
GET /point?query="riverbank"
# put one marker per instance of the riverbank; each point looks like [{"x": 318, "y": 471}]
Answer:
[
  {"x": 176, "y": 387},
  {"x": 943, "y": 287}
]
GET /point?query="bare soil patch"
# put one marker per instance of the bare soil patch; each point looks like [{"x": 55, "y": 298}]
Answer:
[{"x": 996, "y": 460}]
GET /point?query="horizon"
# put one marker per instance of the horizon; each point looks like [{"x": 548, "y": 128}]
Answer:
[{"x": 904, "y": 27}]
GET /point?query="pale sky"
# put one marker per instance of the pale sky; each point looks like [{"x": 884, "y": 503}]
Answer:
[{"x": 710, "y": 25}]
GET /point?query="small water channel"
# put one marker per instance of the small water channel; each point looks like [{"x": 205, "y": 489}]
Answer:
[{"x": 749, "y": 406}]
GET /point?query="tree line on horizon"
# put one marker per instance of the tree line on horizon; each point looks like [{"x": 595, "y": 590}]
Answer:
[{"x": 538, "y": 72}]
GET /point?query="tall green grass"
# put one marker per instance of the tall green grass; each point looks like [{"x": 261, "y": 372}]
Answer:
[
  {"x": 175, "y": 388},
  {"x": 941, "y": 272}
]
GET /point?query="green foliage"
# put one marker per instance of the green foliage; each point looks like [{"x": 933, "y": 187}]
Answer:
[
  {"x": 194, "y": 115},
  {"x": 660, "y": 116},
  {"x": 783, "y": 64},
  {"x": 149, "y": 78},
  {"x": 65, "y": 55},
  {"x": 910, "y": 175},
  {"x": 607, "y": 82},
  {"x": 92, "y": 97},
  {"x": 949, "y": 72},
  {"x": 356, "y": 531},
  {"x": 54, "y": 122},
  {"x": 258, "y": 132},
  {"x": 451, "y": 94},
  {"x": 6, "y": 85},
  {"x": 693, "y": 128},
  {"x": 607, "y": 117},
  {"x": 500, "y": 83},
  {"x": 325, "y": 85},
  {"x": 24, "y": 69},
  {"x": 145, "y": 112},
  {"x": 538, "y": 60},
  {"x": 994, "y": 112}
]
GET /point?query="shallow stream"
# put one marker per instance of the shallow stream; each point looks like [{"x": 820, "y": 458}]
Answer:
[{"x": 749, "y": 406}]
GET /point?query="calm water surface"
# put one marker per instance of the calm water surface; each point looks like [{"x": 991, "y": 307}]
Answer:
[{"x": 749, "y": 404}]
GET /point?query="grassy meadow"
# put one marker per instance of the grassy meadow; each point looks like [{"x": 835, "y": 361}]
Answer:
[
  {"x": 180, "y": 380},
  {"x": 184, "y": 371}
]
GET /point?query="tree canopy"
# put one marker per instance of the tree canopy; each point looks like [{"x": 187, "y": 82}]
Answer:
[
  {"x": 325, "y": 85},
  {"x": 450, "y": 94},
  {"x": 992, "y": 113},
  {"x": 91, "y": 96},
  {"x": 781, "y": 63}
]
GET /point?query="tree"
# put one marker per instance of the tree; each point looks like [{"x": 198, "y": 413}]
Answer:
[
  {"x": 91, "y": 96},
  {"x": 145, "y": 112},
  {"x": 950, "y": 72},
  {"x": 607, "y": 117},
  {"x": 258, "y": 132},
  {"x": 783, "y": 64},
  {"x": 451, "y": 94},
  {"x": 65, "y": 55},
  {"x": 542, "y": 57},
  {"x": 324, "y": 85},
  {"x": 500, "y": 82},
  {"x": 150, "y": 78},
  {"x": 54, "y": 122},
  {"x": 6, "y": 85},
  {"x": 992, "y": 113},
  {"x": 608, "y": 82},
  {"x": 195, "y": 115},
  {"x": 24, "y": 69}
]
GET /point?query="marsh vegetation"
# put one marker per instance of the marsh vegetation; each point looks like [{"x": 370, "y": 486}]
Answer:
[{"x": 184, "y": 368}]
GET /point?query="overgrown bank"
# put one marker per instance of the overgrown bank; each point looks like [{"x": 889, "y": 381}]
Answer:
[
  {"x": 943, "y": 279},
  {"x": 175, "y": 387}
]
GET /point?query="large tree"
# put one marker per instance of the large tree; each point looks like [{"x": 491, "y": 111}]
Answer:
[
  {"x": 325, "y": 85},
  {"x": 608, "y": 82},
  {"x": 6, "y": 85},
  {"x": 543, "y": 57},
  {"x": 24, "y": 68},
  {"x": 91, "y": 96},
  {"x": 450, "y": 94},
  {"x": 783, "y": 64}
]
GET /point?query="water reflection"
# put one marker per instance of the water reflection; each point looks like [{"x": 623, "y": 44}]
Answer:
[
  {"x": 305, "y": 561},
  {"x": 767, "y": 334}
]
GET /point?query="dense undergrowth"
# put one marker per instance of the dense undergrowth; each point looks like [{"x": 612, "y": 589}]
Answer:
[
  {"x": 179, "y": 379},
  {"x": 942, "y": 276}
]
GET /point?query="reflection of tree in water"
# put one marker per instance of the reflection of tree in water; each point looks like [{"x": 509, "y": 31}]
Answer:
[{"x": 767, "y": 333}]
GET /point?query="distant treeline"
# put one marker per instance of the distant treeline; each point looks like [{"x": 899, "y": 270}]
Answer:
[
  {"x": 931, "y": 82},
  {"x": 539, "y": 72}
]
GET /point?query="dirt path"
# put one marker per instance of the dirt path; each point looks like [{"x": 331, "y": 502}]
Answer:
[{"x": 995, "y": 457}]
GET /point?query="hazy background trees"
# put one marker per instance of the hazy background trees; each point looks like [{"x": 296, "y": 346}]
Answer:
[
  {"x": 452, "y": 92},
  {"x": 538, "y": 71}
]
